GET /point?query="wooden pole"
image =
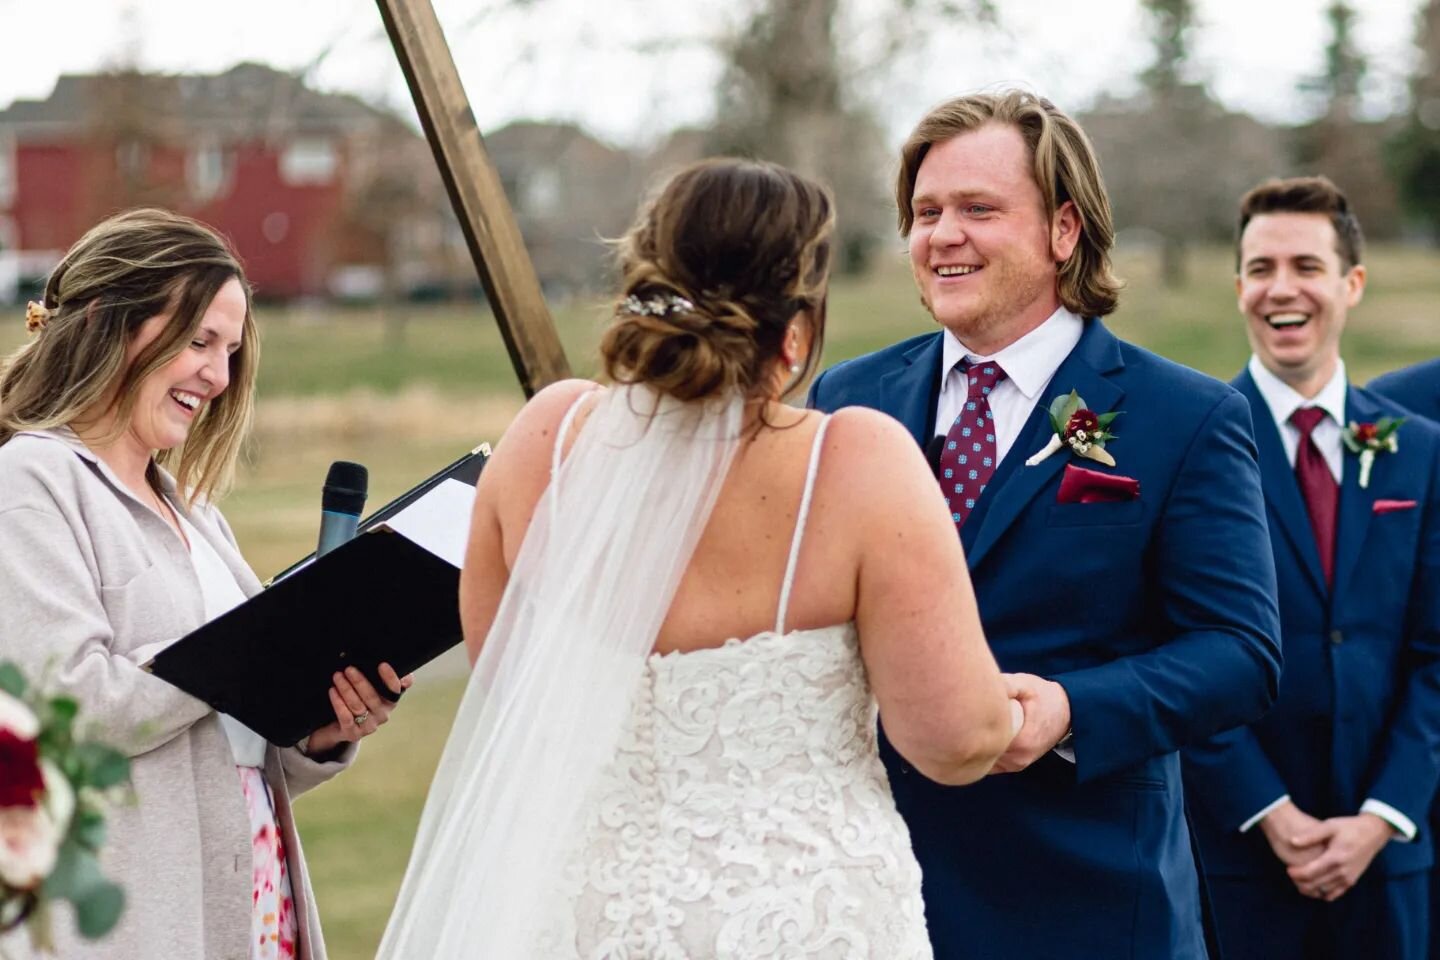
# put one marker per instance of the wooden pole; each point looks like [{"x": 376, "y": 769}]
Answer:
[{"x": 476, "y": 193}]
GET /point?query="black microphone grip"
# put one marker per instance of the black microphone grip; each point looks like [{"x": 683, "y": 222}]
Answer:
[{"x": 341, "y": 501}]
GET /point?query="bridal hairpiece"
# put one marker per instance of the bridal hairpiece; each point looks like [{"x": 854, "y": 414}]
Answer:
[
  {"x": 656, "y": 306},
  {"x": 36, "y": 316}
]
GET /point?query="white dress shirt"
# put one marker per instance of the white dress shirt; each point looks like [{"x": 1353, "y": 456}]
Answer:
[
  {"x": 1029, "y": 364},
  {"x": 1283, "y": 401}
]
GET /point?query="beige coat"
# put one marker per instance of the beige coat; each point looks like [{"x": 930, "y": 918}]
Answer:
[{"x": 88, "y": 574}]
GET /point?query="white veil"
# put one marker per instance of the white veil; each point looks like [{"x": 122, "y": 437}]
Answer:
[{"x": 545, "y": 705}]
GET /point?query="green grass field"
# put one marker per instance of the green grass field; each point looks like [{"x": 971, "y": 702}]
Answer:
[{"x": 342, "y": 385}]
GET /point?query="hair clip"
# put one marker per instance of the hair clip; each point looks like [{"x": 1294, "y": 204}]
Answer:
[
  {"x": 36, "y": 316},
  {"x": 656, "y": 306}
]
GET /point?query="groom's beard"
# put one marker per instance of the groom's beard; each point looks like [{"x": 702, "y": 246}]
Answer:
[{"x": 987, "y": 321}]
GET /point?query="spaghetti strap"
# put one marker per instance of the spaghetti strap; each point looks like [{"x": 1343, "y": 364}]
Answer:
[
  {"x": 810, "y": 472},
  {"x": 565, "y": 422}
]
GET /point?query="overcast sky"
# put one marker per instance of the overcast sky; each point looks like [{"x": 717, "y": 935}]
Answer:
[{"x": 631, "y": 70}]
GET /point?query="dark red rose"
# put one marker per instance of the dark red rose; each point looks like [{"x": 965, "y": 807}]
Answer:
[
  {"x": 20, "y": 779},
  {"x": 1082, "y": 420},
  {"x": 1365, "y": 432}
]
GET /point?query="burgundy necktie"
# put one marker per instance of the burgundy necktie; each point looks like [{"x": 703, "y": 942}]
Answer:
[
  {"x": 968, "y": 460},
  {"x": 1317, "y": 486}
]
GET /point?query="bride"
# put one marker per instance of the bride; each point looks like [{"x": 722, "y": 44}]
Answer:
[{"x": 684, "y": 601}]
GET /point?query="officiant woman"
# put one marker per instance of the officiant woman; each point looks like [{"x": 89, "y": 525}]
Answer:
[{"x": 120, "y": 423}]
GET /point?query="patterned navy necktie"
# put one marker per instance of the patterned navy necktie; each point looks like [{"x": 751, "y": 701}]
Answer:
[{"x": 967, "y": 461}]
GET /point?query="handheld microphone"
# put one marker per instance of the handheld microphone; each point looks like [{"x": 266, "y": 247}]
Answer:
[
  {"x": 933, "y": 451},
  {"x": 341, "y": 500}
]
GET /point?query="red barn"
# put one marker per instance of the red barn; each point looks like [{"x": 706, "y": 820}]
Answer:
[{"x": 321, "y": 193}]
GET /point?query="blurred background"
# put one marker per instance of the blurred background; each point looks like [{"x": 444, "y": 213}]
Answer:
[{"x": 288, "y": 127}]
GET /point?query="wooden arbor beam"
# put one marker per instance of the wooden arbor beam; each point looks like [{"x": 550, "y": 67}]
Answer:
[{"x": 476, "y": 193}]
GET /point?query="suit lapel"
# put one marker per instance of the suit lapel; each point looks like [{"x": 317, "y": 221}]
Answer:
[
  {"x": 1015, "y": 485},
  {"x": 909, "y": 392},
  {"x": 1282, "y": 491},
  {"x": 1356, "y": 505}
]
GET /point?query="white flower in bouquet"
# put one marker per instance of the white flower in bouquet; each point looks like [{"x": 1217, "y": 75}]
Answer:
[
  {"x": 30, "y": 837},
  {"x": 17, "y": 719},
  {"x": 53, "y": 785}
]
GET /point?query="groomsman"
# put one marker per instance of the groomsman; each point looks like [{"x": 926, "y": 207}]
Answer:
[
  {"x": 1417, "y": 388},
  {"x": 1312, "y": 822},
  {"x": 1105, "y": 543}
]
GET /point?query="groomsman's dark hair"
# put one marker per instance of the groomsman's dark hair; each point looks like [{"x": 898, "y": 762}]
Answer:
[
  {"x": 1065, "y": 169},
  {"x": 1305, "y": 195}
]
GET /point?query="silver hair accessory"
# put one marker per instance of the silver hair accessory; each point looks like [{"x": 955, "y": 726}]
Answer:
[{"x": 656, "y": 306}]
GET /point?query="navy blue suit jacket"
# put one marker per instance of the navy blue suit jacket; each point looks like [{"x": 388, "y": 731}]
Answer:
[
  {"x": 1158, "y": 617},
  {"x": 1416, "y": 388},
  {"x": 1359, "y": 708}
]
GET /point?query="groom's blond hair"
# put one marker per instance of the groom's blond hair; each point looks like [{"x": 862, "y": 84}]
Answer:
[{"x": 1065, "y": 169}]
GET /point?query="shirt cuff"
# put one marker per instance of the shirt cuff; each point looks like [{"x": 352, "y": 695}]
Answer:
[
  {"x": 1404, "y": 826},
  {"x": 1264, "y": 811}
]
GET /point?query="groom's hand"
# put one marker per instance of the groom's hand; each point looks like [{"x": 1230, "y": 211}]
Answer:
[{"x": 1047, "y": 719}]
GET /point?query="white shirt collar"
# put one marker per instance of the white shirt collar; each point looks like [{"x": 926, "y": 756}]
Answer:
[
  {"x": 1032, "y": 360},
  {"x": 1283, "y": 401}
]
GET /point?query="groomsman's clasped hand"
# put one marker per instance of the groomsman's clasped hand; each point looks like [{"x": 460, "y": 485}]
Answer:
[{"x": 1324, "y": 858}]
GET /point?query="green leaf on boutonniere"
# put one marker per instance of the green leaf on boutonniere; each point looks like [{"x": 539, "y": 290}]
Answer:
[
  {"x": 1062, "y": 408},
  {"x": 1107, "y": 418}
]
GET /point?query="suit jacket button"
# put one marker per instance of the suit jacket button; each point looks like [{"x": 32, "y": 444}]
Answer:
[{"x": 1336, "y": 637}]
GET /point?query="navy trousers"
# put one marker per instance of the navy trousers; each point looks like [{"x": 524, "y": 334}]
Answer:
[{"x": 1266, "y": 918}]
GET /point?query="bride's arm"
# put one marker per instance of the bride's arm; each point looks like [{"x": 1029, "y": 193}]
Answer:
[
  {"x": 510, "y": 486},
  {"x": 936, "y": 682}
]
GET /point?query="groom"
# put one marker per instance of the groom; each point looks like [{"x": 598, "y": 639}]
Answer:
[{"x": 1124, "y": 578}]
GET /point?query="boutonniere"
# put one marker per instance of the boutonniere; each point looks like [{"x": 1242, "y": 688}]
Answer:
[
  {"x": 1078, "y": 427},
  {"x": 1368, "y": 439}
]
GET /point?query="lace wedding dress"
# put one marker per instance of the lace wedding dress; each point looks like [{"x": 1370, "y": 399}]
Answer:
[
  {"x": 599, "y": 801},
  {"x": 747, "y": 813}
]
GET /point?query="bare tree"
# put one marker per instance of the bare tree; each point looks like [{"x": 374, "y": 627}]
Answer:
[
  {"x": 1414, "y": 152},
  {"x": 1340, "y": 143}
]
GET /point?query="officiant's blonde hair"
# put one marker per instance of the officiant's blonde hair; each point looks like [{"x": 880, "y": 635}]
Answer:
[
  {"x": 1065, "y": 169},
  {"x": 125, "y": 270},
  {"x": 713, "y": 272}
]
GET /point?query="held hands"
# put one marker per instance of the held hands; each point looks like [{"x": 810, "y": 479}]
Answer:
[
  {"x": 1347, "y": 845},
  {"x": 359, "y": 708},
  {"x": 1044, "y": 717}
]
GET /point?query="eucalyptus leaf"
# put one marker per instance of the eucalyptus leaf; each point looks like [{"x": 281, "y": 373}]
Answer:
[
  {"x": 99, "y": 910},
  {"x": 89, "y": 829},
  {"x": 1066, "y": 406},
  {"x": 12, "y": 681},
  {"x": 76, "y": 873},
  {"x": 101, "y": 766}
]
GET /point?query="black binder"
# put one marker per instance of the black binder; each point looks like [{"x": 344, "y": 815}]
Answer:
[{"x": 378, "y": 598}]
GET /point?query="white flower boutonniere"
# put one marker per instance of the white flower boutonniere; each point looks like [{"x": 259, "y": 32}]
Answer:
[
  {"x": 1078, "y": 427},
  {"x": 1368, "y": 439}
]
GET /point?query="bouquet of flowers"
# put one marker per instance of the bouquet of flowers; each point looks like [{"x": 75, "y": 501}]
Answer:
[{"x": 53, "y": 789}]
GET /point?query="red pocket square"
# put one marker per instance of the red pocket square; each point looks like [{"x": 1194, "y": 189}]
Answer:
[
  {"x": 1091, "y": 486},
  {"x": 1390, "y": 506}
]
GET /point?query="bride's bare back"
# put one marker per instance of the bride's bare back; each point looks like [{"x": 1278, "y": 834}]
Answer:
[{"x": 878, "y": 549}]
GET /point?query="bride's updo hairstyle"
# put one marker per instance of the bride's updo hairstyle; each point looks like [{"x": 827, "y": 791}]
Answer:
[{"x": 713, "y": 271}]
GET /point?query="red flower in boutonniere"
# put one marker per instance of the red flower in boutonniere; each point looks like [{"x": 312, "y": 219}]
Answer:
[
  {"x": 1368, "y": 439},
  {"x": 1078, "y": 427}
]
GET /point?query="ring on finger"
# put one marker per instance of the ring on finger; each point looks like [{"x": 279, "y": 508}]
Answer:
[
  {"x": 1324, "y": 891},
  {"x": 362, "y": 717}
]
